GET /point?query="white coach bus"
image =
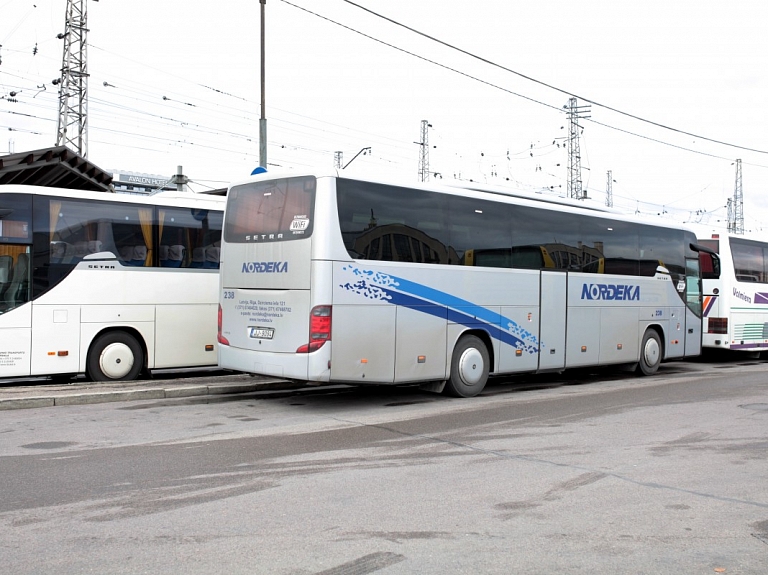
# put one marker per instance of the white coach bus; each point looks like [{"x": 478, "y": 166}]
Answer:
[
  {"x": 110, "y": 285},
  {"x": 327, "y": 279},
  {"x": 736, "y": 302}
]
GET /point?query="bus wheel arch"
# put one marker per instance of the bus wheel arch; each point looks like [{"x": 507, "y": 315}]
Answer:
[
  {"x": 471, "y": 362},
  {"x": 117, "y": 354},
  {"x": 651, "y": 351}
]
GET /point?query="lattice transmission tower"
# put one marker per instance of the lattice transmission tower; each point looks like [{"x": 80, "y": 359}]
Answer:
[
  {"x": 424, "y": 152},
  {"x": 736, "y": 206},
  {"x": 72, "y": 130},
  {"x": 575, "y": 113},
  {"x": 609, "y": 191}
]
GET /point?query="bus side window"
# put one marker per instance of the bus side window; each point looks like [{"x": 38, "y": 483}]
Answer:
[
  {"x": 17, "y": 290},
  {"x": 748, "y": 262},
  {"x": 190, "y": 238}
]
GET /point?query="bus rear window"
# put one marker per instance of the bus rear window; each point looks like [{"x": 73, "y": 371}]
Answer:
[{"x": 270, "y": 211}]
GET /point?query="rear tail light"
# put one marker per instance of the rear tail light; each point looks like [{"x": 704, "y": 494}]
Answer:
[
  {"x": 219, "y": 337},
  {"x": 717, "y": 325},
  {"x": 319, "y": 329}
]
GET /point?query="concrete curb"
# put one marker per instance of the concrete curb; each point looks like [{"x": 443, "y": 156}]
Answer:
[{"x": 80, "y": 396}]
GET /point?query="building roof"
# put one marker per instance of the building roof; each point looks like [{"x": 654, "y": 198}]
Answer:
[{"x": 57, "y": 167}]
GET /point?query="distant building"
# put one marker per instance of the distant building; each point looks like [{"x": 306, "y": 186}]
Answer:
[{"x": 140, "y": 184}]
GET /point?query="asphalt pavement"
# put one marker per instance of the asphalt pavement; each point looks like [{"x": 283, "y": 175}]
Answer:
[{"x": 43, "y": 393}]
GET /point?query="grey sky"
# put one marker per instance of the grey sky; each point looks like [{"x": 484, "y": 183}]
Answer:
[{"x": 183, "y": 89}]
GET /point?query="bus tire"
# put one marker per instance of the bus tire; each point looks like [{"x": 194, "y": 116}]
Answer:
[
  {"x": 650, "y": 353},
  {"x": 469, "y": 368},
  {"x": 115, "y": 356}
]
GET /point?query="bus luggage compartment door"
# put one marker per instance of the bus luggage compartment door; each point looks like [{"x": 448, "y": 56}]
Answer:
[
  {"x": 56, "y": 345},
  {"x": 554, "y": 291},
  {"x": 363, "y": 343}
]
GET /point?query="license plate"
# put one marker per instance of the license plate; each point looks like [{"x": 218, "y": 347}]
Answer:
[{"x": 261, "y": 332}]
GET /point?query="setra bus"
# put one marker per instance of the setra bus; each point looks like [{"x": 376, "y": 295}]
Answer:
[
  {"x": 736, "y": 295},
  {"x": 107, "y": 285},
  {"x": 329, "y": 279}
]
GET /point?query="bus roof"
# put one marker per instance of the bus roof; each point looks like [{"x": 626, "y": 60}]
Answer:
[
  {"x": 169, "y": 198},
  {"x": 471, "y": 188}
]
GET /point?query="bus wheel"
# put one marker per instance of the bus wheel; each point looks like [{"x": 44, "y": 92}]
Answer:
[
  {"x": 650, "y": 353},
  {"x": 469, "y": 368},
  {"x": 115, "y": 356}
]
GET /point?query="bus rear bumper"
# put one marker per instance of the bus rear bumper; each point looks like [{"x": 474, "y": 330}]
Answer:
[{"x": 282, "y": 365}]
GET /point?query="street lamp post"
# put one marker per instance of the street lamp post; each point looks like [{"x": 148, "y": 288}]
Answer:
[
  {"x": 364, "y": 151},
  {"x": 263, "y": 119}
]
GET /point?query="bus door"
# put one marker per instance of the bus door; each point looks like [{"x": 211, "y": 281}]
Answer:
[
  {"x": 553, "y": 306},
  {"x": 15, "y": 311},
  {"x": 693, "y": 309},
  {"x": 15, "y": 284}
]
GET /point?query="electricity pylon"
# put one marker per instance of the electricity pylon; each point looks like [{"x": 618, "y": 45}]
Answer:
[
  {"x": 424, "y": 152},
  {"x": 736, "y": 207},
  {"x": 575, "y": 113},
  {"x": 72, "y": 130}
]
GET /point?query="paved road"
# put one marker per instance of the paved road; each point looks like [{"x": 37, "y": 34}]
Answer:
[
  {"x": 606, "y": 475},
  {"x": 42, "y": 392}
]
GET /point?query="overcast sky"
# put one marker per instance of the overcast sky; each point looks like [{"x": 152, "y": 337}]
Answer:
[{"x": 677, "y": 91}]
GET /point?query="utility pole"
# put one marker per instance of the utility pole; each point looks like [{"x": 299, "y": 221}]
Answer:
[
  {"x": 424, "y": 152},
  {"x": 609, "y": 191},
  {"x": 736, "y": 207},
  {"x": 181, "y": 179},
  {"x": 263, "y": 119},
  {"x": 72, "y": 129},
  {"x": 575, "y": 113}
]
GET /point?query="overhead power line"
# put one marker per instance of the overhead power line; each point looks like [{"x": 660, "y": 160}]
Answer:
[
  {"x": 404, "y": 51},
  {"x": 546, "y": 85}
]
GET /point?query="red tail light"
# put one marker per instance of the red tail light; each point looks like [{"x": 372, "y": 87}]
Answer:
[
  {"x": 319, "y": 329},
  {"x": 221, "y": 339},
  {"x": 717, "y": 325}
]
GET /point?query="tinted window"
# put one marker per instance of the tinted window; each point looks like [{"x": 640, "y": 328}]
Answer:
[
  {"x": 373, "y": 216},
  {"x": 67, "y": 230},
  {"x": 15, "y": 219},
  {"x": 554, "y": 235},
  {"x": 15, "y": 240},
  {"x": 189, "y": 238},
  {"x": 480, "y": 226},
  {"x": 748, "y": 261},
  {"x": 662, "y": 247},
  {"x": 378, "y": 220},
  {"x": 275, "y": 210}
]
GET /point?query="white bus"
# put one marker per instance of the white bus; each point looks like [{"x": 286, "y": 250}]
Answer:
[
  {"x": 736, "y": 303},
  {"x": 109, "y": 285},
  {"x": 327, "y": 279}
]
